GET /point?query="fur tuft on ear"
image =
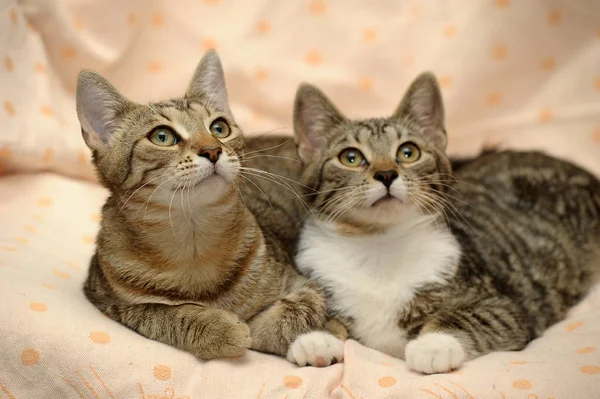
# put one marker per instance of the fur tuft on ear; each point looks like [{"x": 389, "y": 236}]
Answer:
[
  {"x": 314, "y": 117},
  {"x": 208, "y": 82},
  {"x": 422, "y": 104},
  {"x": 98, "y": 106}
]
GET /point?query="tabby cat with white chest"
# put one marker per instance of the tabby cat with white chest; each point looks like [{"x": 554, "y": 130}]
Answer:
[
  {"x": 188, "y": 253},
  {"x": 434, "y": 267}
]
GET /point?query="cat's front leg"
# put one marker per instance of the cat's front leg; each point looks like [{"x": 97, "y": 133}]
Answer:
[
  {"x": 449, "y": 339},
  {"x": 205, "y": 332},
  {"x": 294, "y": 326}
]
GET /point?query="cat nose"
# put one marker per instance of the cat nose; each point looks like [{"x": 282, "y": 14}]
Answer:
[
  {"x": 387, "y": 177},
  {"x": 211, "y": 153}
]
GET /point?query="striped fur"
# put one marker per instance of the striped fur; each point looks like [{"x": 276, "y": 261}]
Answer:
[
  {"x": 450, "y": 266},
  {"x": 185, "y": 255}
]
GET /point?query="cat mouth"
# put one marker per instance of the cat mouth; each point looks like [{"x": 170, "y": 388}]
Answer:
[{"x": 386, "y": 200}]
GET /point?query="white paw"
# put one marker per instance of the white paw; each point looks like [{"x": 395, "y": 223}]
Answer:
[
  {"x": 316, "y": 348},
  {"x": 434, "y": 353}
]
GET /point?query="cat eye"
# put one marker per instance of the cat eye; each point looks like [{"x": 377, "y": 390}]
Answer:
[
  {"x": 163, "y": 136},
  {"x": 408, "y": 153},
  {"x": 352, "y": 157},
  {"x": 219, "y": 128}
]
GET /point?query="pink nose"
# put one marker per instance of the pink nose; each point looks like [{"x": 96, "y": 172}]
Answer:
[{"x": 212, "y": 153}]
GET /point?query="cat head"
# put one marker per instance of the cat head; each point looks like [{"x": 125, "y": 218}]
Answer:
[
  {"x": 189, "y": 143},
  {"x": 374, "y": 171}
]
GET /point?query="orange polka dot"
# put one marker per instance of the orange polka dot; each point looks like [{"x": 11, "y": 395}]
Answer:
[
  {"x": 522, "y": 384},
  {"x": 29, "y": 357},
  {"x": 366, "y": 84},
  {"x": 47, "y": 111},
  {"x": 49, "y": 286},
  {"x": 449, "y": 31},
  {"x": 61, "y": 274},
  {"x": 21, "y": 240},
  {"x": 387, "y": 382},
  {"x": 9, "y": 64},
  {"x": 131, "y": 19},
  {"x": 209, "y": 44},
  {"x": 292, "y": 381},
  {"x": 502, "y": 3},
  {"x": 317, "y": 7},
  {"x": 263, "y": 27},
  {"x": 313, "y": 57},
  {"x": 74, "y": 265},
  {"x": 446, "y": 82},
  {"x": 88, "y": 239},
  {"x": 14, "y": 17},
  {"x": 388, "y": 364},
  {"x": 493, "y": 99},
  {"x": 370, "y": 34},
  {"x": 7, "y": 248},
  {"x": 574, "y": 326},
  {"x": 45, "y": 202},
  {"x": 499, "y": 51},
  {"x": 162, "y": 372},
  {"x": 588, "y": 349},
  {"x": 155, "y": 66},
  {"x": 40, "y": 68},
  {"x": 5, "y": 152},
  {"x": 30, "y": 228},
  {"x": 100, "y": 337},
  {"x": 78, "y": 23},
  {"x": 68, "y": 53},
  {"x": 39, "y": 217},
  {"x": 9, "y": 108},
  {"x": 260, "y": 74},
  {"x": 82, "y": 156},
  {"x": 157, "y": 19},
  {"x": 597, "y": 83},
  {"x": 546, "y": 114},
  {"x": 415, "y": 10},
  {"x": 255, "y": 115},
  {"x": 554, "y": 17},
  {"x": 596, "y": 135},
  {"x": 96, "y": 217},
  {"x": 590, "y": 369},
  {"x": 211, "y": 2},
  {"x": 521, "y": 362},
  {"x": 548, "y": 64},
  {"x": 38, "y": 306},
  {"x": 48, "y": 155}
]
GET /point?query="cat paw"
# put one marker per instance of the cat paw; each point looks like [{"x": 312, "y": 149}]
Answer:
[
  {"x": 434, "y": 353},
  {"x": 223, "y": 336},
  {"x": 317, "y": 348}
]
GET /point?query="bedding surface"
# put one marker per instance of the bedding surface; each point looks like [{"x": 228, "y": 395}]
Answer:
[{"x": 55, "y": 344}]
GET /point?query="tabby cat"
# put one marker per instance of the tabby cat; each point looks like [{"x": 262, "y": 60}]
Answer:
[
  {"x": 185, "y": 253},
  {"x": 429, "y": 266}
]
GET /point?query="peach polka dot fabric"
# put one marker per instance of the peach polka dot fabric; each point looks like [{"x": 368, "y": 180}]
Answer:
[{"x": 513, "y": 73}]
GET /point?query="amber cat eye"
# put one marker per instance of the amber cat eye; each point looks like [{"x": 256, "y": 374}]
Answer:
[
  {"x": 352, "y": 157},
  {"x": 408, "y": 153},
  {"x": 219, "y": 128},
  {"x": 163, "y": 136}
]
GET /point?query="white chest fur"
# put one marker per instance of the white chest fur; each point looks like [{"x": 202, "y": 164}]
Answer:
[{"x": 373, "y": 277}]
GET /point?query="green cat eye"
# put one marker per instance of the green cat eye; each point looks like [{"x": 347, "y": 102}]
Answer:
[
  {"x": 408, "y": 153},
  {"x": 219, "y": 128},
  {"x": 163, "y": 136},
  {"x": 352, "y": 157}
]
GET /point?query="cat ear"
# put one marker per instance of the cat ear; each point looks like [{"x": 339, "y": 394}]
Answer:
[
  {"x": 98, "y": 107},
  {"x": 314, "y": 117},
  {"x": 208, "y": 82},
  {"x": 422, "y": 104}
]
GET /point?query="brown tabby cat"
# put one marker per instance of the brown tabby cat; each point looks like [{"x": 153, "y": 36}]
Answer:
[
  {"x": 182, "y": 257},
  {"x": 430, "y": 267}
]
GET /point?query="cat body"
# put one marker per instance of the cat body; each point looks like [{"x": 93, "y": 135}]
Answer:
[
  {"x": 432, "y": 267},
  {"x": 184, "y": 253}
]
